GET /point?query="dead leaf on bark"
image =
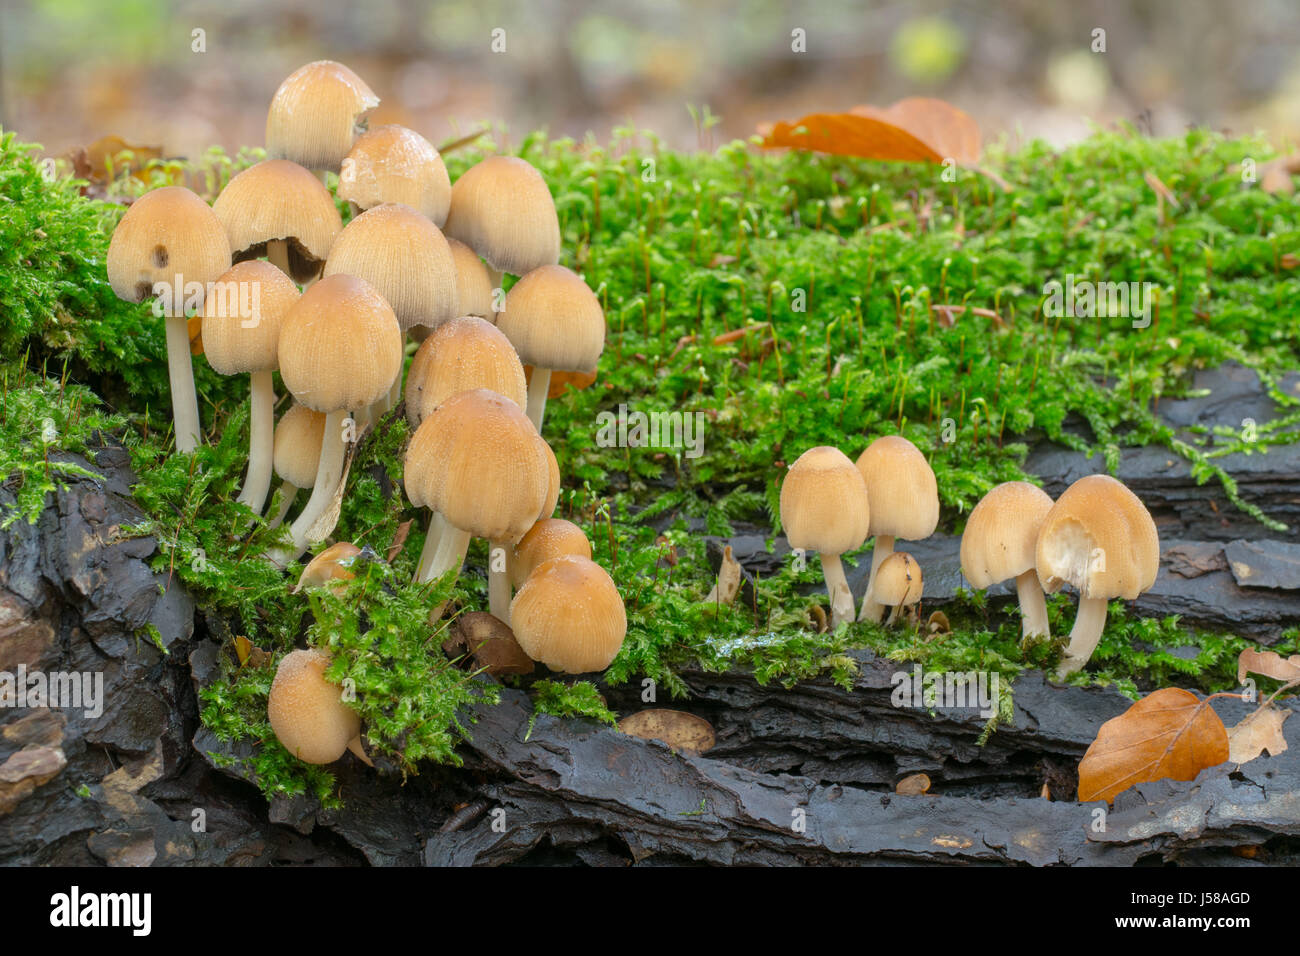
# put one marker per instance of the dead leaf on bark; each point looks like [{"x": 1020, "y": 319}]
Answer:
[
  {"x": 728, "y": 583},
  {"x": 1268, "y": 664},
  {"x": 1170, "y": 734},
  {"x": 676, "y": 728},
  {"x": 913, "y": 785},
  {"x": 1259, "y": 731}
]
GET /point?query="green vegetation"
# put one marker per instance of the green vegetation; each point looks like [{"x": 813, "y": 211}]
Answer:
[{"x": 825, "y": 271}]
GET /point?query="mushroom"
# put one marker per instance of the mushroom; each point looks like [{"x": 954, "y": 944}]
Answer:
[
  {"x": 555, "y": 322},
  {"x": 333, "y": 566},
  {"x": 898, "y": 583},
  {"x": 279, "y": 210},
  {"x": 502, "y": 209},
  {"x": 307, "y": 712},
  {"x": 825, "y": 508},
  {"x": 315, "y": 115},
  {"x": 340, "y": 349},
  {"x": 236, "y": 343},
  {"x": 477, "y": 462},
  {"x": 999, "y": 542},
  {"x": 296, "y": 455},
  {"x": 569, "y": 615},
  {"x": 1100, "y": 539},
  {"x": 396, "y": 164},
  {"x": 170, "y": 235},
  {"x": 473, "y": 288},
  {"x": 904, "y": 503},
  {"x": 548, "y": 538},
  {"x": 463, "y": 354}
]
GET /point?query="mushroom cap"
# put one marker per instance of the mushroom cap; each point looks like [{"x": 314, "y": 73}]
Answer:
[
  {"x": 277, "y": 199},
  {"x": 405, "y": 257},
  {"x": 314, "y": 115},
  {"x": 340, "y": 345},
  {"x": 554, "y": 320},
  {"x": 396, "y": 164},
  {"x": 473, "y": 284},
  {"x": 1100, "y": 539},
  {"x": 476, "y": 460},
  {"x": 333, "y": 564},
  {"x": 552, "y": 481},
  {"x": 502, "y": 209},
  {"x": 824, "y": 503},
  {"x": 569, "y": 615},
  {"x": 460, "y": 355},
  {"x": 549, "y": 538},
  {"x": 298, "y": 437},
  {"x": 898, "y": 580},
  {"x": 1002, "y": 533},
  {"x": 307, "y": 712},
  {"x": 235, "y": 342},
  {"x": 904, "y": 493},
  {"x": 165, "y": 233}
]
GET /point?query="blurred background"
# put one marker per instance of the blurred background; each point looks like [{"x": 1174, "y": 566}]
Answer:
[{"x": 698, "y": 72}]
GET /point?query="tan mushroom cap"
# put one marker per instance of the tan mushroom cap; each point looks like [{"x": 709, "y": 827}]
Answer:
[
  {"x": 298, "y": 437},
  {"x": 242, "y": 315},
  {"x": 165, "y": 233},
  {"x": 1002, "y": 533},
  {"x": 340, "y": 346},
  {"x": 460, "y": 355},
  {"x": 554, "y": 320},
  {"x": 473, "y": 284},
  {"x": 315, "y": 113},
  {"x": 502, "y": 209},
  {"x": 899, "y": 581},
  {"x": 405, "y": 257},
  {"x": 396, "y": 164},
  {"x": 903, "y": 490},
  {"x": 477, "y": 461},
  {"x": 569, "y": 615},
  {"x": 824, "y": 503},
  {"x": 1100, "y": 539},
  {"x": 549, "y": 538},
  {"x": 307, "y": 712},
  {"x": 277, "y": 199},
  {"x": 552, "y": 481},
  {"x": 331, "y": 567}
]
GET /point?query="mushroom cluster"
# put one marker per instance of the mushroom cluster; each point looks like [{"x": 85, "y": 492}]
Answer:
[{"x": 336, "y": 310}]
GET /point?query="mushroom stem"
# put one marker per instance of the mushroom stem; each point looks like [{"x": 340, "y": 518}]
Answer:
[
  {"x": 871, "y": 610},
  {"x": 1033, "y": 607},
  {"x": 261, "y": 441},
  {"x": 1085, "y": 634},
  {"x": 538, "y": 386},
  {"x": 288, "y": 493},
  {"x": 444, "y": 549},
  {"x": 185, "y": 402},
  {"x": 838, "y": 589},
  {"x": 333, "y": 450},
  {"x": 893, "y": 615},
  {"x": 277, "y": 253},
  {"x": 499, "y": 582}
]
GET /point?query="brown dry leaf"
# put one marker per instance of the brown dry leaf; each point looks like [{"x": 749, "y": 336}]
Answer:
[
  {"x": 194, "y": 325},
  {"x": 563, "y": 381},
  {"x": 951, "y": 132},
  {"x": 249, "y": 653},
  {"x": 913, "y": 129},
  {"x": 728, "y": 583},
  {"x": 1170, "y": 734},
  {"x": 913, "y": 785},
  {"x": 1259, "y": 731},
  {"x": 491, "y": 643},
  {"x": 102, "y": 160},
  {"x": 1275, "y": 175},
  {"x": 399, "y": 539},
  {"x": 720, "y": 260},
  {"x": 1046, "y": 792},
  {"x": 676, "y": 728},
  {"x": 1268, "y": 664}
]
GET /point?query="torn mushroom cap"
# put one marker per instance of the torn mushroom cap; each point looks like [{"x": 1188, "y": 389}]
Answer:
[
  {"x": 405, "y": 257},
  {"x": 898, "y": 580},
  {"x": 824, "y": 503},
  {"x": 163, "y": 234},
  {"x": 340, "y": 346},
  {"x": 502, "y": 209},
  {"x": 277, "y": 199},
  {"x": 1100, "y": 539},
  {"x": 333, "y": 564},
  {"x": 476, "y": 460},
  {"x": 307, "y": 712},
  {"x": 1002, "y": 533},
  {"x": 903, "y": 490},
  {"x": 549, "y": 538},
  {"x": 569, "y": 615},
  {"x": 298, "y": 437},
  {"x": 463, "y": 354},
  {"x": 315, "y": 114},
  {"x": 396, "y": 164},
  {"x": 554, "y": 320},
  {"x": 242, "y": 315}
]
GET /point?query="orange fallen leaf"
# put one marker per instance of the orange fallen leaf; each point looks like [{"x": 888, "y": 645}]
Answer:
[
  {"x": 563, "y": 381},
  {"x": 1261, "y": 730},
  {"x": 916, "y": 129},
  {"x": 1170, "y": 734}
]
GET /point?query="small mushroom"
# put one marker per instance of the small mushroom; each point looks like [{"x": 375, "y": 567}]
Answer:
[
  {"x": 396, "y": 164},
  {"x": 296, "y": 455},
  {"x": 570, "y": 616},
  {"x": 999, "y": 543},
  {"x": 315, "y": 114},
  {"x": 1098, "y": 538},
  {"x": 466, "y": 353},
  {"x": 548, "y": 538},
  {"x": 332, "y": 566},
  {"x": 307, "y": 712},
  {"x": 899, "y": 583}
]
